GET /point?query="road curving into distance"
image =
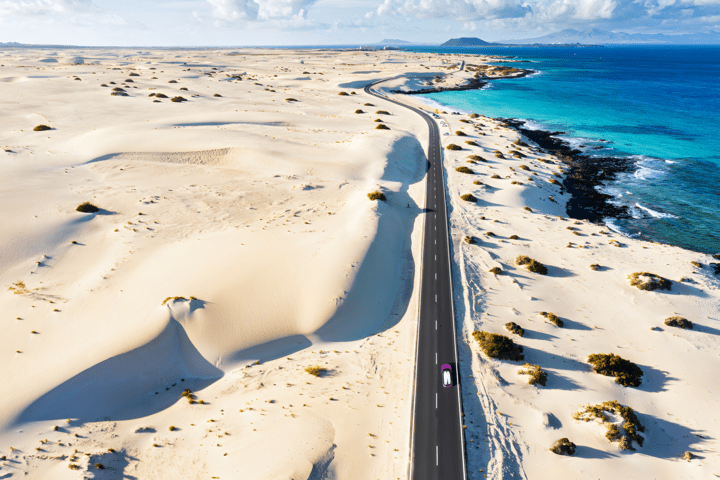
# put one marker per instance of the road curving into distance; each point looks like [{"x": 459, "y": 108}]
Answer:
[{"x": 438, "y": 445}]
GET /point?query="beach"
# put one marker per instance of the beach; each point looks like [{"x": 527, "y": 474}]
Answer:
[{"x": 169, "y": 333}]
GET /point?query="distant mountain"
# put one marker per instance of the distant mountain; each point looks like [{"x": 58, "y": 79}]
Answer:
[
  {"x": 10, "y": 44},
  {"x": 465, "y": 42},
  {"x": 393, "y": 41},
  {"x": 595, "y": 36}
]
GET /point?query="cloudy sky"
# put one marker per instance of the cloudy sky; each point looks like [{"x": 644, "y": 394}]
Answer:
[{"x": 321, "y": 22}]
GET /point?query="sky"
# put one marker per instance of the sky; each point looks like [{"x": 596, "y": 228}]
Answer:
[{"x": 335, "y": 22}]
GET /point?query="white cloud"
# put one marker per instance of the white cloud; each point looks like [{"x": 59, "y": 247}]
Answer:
[
  {"x": 294, "y": 12},
  {"x": 42, "y": 7}
]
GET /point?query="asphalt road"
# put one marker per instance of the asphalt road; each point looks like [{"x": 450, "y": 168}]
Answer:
[{"x": 438, "y": 449}]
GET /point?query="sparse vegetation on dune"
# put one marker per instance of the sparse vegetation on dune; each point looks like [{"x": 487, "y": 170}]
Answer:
[
  {"x": 498, "y": 346},
  {"x": 376, "y": 195},
  {"x": 468, "y": 197},
  {"x": 289, "y": 100},
  {"x": 649, "y": 281},
  {"x": 531, "y": 264},
  {"x": 176, "y": 299},
  {"x": 477, "y": 158},
  {"x": 679, "y": 322},
  {"x": 538, "y": 376},
  {"x": 477, "y": 182},
  {"x": 626, "y": 373},
  {"x": 496, "y": 270},
  {"x": 465, "y": 170},
  {"x": 382, "y": 112},
  {"x": 552, "y": 318},
  {"x": 630, "y": 426},
  {"x": 343, "y": 94},
  {"x": 315, "y": 370},
  {"x": 563, "y": 447},
  {"x": 595, "y": 267},
  {"x": 41, "y": 128},
  {"x": 359, "y": 111},
  {"x": 469, "y": 239},
  {"x": 178, "y": 99},
  {"x": 513, "y": 327},
  {"x": 452, "y": 146},
  {"x": 472, "y": 143},
  {"x": 382, "y": 126},
  {"x": 460, "y": 133},
  {"x": 87, "y": 207}
]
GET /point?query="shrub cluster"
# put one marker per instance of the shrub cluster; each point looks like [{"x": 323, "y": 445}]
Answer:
[
  {"x": 359, "y": 111},
  {"x": 382, "y": 126},
  {"x": 595, "y": 267},
  {"x": 343, "y": 94},
  {"x": 626, "y": 373},
  {"x": 460, "y": 133},
  {"x": 452, "y": 146},
  {"x": 382, "y": 112},
  {"x": 498, "y": 346},
  {"x": 552, "y": 318},
  {"x": 178, "y": 99},
  {"x": 471, "y": 143},
  {"x": 87, "y": 207},
  {"x": 315, "y": 370},
  {"x": 376, "y": 195},
  {"x": 41, "y": 128},
  {"x": 649, "y": 281},
  {"x": 465, "y": 170},
  {"x": 468, "y": 197},
  {"x": 513, "y": 237},
  {"x": 513, "y": 327},
  {"x": 469, "y": 239},
  {"x": 630, "y": 426},
  {"x": 496, "y": 270},
  {"x": 537, "y": 375},
  {"x": 477, "y": 182},
  {"x": 563, "y": 447},
  {"x": 531, "y": 264},
  {"x": 679, "y": 322},
  {"x": 477, "y": 158}
]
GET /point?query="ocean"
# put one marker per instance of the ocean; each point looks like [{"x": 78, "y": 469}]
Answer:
[{"x": 658, "y": 106}]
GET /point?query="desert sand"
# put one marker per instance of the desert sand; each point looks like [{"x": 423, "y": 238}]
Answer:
[{"x": 235, "y": 246}]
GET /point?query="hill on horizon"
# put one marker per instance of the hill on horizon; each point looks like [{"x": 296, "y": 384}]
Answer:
[{"x": 465, "y": 42}]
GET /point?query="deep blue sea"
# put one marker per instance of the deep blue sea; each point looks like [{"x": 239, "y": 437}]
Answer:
[{"x": 659, "y": 105}]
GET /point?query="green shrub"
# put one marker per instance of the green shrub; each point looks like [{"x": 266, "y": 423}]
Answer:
[
  {"x": 468, "y": 197},
  {"x": 376, "y": 195},
  {"x": 630, "y": 426},
  {"x": 552, "y": 318},
  {"x": 531, "y": 264},
  {"x": 452, "y": 146},
  {"x": 465, "y": 170},
  {"x": 496, "y": 270},
  {"x": 679, "y": 322},
  {"x": 315, "y": 370},
  {"x": 563, "y": 447},
  {"x": 538, "y": 376},
  {"x": 41, "y": 128},
  {"x": 382, "y": 112},
  {"x": 460, "y": 133},
  {"x": 625, "y": 372},
  {"x": 498, "y": 346},
  {"x": 513, "y": 327},
  {"x": 382, "y": 126},
  {"x": 87, "y": 207},
  {"x": 649, "y": 281}
]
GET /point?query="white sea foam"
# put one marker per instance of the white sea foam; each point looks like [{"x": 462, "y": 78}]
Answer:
[
  {"x": 644, "y": 173},
  {"x": 655, "y": 214}
]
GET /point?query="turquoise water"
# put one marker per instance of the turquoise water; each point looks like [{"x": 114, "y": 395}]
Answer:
[{"x": 660, "y": 105}]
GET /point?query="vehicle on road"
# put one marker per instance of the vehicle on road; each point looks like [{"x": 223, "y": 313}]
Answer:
[{"x": 447, "y": 377}]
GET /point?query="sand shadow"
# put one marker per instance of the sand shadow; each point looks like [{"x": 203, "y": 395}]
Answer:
[
  {"x": 271, "y": 350},
  {"x": 573, "y": 325},
  {"x": 590, "y": 453},
  {"x": 113, "y": 466},
  {"x": 664, "y": 439},
  {"x": 705, "y": 329},
  {"x": 556, "y": 362},
  {"x": 679, "y": 288},
  {"x": 654, "y": 380}
]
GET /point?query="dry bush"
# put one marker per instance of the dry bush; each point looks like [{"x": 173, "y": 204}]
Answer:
[
  {"x": 649, "y": 281},
  {"x": 513, "y": 237},
  {"x": 119, "y": 94},
  {"x": 527, "y": 209},
  {"x": 696, "y": 264},
  {"x": 291, "y": 100},
  {"x": 376, "y": 195},
  {"x": 626, "y": 373},
  {"x": 495, "y": 176},
  {"x": 678, "y": 322},
  {"x": 368, "y": 105},
  {"x": 359, "y": 111},
  {"x": 538, "y": 376},
  {"x": 498, "y": 346},
  {"x": 513, "y": 327},
  {"x": 172, "y": 81},
  {"x": 178, "y": 99},
  {"x": 316, "y": 370},
  {"x": 382, "y": 126},
  {"x": 524, "y": 167},
  {"x": 18, "y": 288},
  {"x": 477, "y": 182},
  {"x": 469, "y": 239},
  {"x": 499, "y": 155},
  {"x": 554, "y": 182},
  {"x": 688, "y": 456},
  {"x": 515, "y": 182},
  {"x": 471, "y": 143},
  {"x": 552, "y": 318},
  {"x": 630, "y": 426},
  {"x": 531, "y": 264},
  {"x": 460, "y": 133},
  {"x": 382, "y": 112},
  {"x": 477, "y": 158},
  {"x": 452, "y": 146},
  {"x": 183, "y": 89},
  {"x": 595, "y": 267},
  {"x": 496, "y": 270},
  {"x": 87, "y": 207},
  {"x": 465, "y": 170},
  {"x": 41, "y": 128},
  {"x": 563, "y": 447},
  {"x": 173, "y": 299},
  {"x": 468, "y": 197}
]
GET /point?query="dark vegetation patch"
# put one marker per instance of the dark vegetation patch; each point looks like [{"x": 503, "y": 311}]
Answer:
[
  {"x": 359, "y": 111},
  {"x": 630, "y": 426},
  {"x": 477, "y": 158},
  {"x": 626, "y": 373},
  {"x": 649, "y": 281},
  {"x": 452, "y": 146},
  {"x": 178, "y": 99},
  {"x": 382, "y": 126},
  {"x": 496, "y": 270},
  {"x": 469, "y": 239},
  {"x": 465, "y": 170},
  {"x": 382, "y": 112},
  {"x": 696, "y": 264},
  {"x": 513, "y": 237},
  {"x": 513, "y": 327},
  {"x": 552, "y": 318},
  {"x": 524, "y": 167},
  {"x": 563, "y": 447},
  {"x": 468, "y": 197},
  {"x": 368, "y": 105},
  {"x": 538, "y": 376},
  {"x": 498, "y": 346},
  {"x": 184, "y": 89},
  {"x": 376, "y": 195},
  {"x": 527, "y": 209},
  {"x": 531, "y": 264},
  {"x": 41, "y": 128},
  {"x": 496, "y": 176},
  {"x": 217, "y": 95},
  {"x": 471, "y": 143},
  {"x": 477, "y": 182},
  {"x": 291, "y": 100},
  {"x": 679, "y": 322},
  {"x": 87, "y": 207},
  {"x": 460, "y": 133},
  {"x": 595, "y": 267},
  {"x": 343, "y": 94}
]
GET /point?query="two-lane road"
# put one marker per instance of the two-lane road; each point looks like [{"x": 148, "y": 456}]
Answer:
[{"x": 438, "y": 447}]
